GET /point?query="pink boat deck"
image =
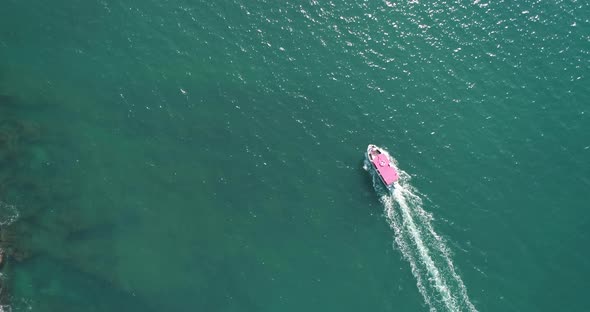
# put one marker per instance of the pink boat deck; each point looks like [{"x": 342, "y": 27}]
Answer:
[{"x": 389, "y": 174}]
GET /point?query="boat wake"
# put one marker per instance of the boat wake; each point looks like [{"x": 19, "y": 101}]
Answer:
[{"x": 427, "y": 253}]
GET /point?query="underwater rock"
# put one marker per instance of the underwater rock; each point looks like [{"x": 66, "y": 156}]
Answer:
[
  {"x": 27, "y": 130},
  {"x": 8, "y": 143},
  {"x": 16, "y": 138},
  {"x": 6, "y": 100}
]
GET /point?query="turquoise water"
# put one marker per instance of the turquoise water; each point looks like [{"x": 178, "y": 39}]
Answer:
[{"x": 208, "y": 156}]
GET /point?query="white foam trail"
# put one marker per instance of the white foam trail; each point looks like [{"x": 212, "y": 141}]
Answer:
[
  {"x": 436, "y": 278},
  {"x": 423, "y": 252},
  {"x": 441, "y": 247},
  {"x": 394, "y": 222}
]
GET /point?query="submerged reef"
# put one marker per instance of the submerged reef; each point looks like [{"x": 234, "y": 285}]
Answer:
[
  {"x": 46, "y": 217},
  {"x": 16, "y": 138},
  {"x": 22, "y": 190}
]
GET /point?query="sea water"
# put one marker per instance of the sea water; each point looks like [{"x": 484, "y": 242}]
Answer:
[{"x": 207, "y": 156}]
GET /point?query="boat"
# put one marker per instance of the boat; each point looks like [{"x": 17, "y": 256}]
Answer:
[{"x": 383, "y": 164}]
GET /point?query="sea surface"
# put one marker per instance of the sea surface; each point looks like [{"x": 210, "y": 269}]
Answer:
[{"x": 198, "y": 155}]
